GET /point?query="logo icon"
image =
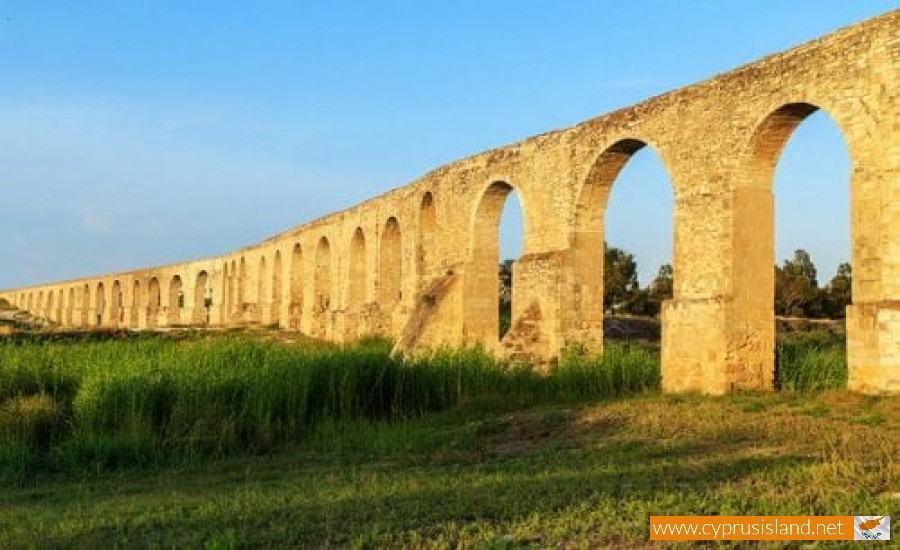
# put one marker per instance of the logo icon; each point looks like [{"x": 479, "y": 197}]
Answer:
[{"x": 871, "y": 527}]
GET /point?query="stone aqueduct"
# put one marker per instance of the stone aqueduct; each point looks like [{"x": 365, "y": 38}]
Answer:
[{"x": 419, "y": 263}]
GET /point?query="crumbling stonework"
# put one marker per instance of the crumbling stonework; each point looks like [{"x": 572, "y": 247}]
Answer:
[{"x": 419, "y": 263}]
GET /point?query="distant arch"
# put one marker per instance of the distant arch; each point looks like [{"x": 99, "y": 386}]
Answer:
[
  {"x": 296, "y": 288},
  {"x": 70, "y": 309},
  {"x": 262, "y": 279},
  {"x": 100, "y": 311},
  {"x": 426, "y": 246},
  {"x": 136, "y": 303},
  {"x": 60, "y": 306},
  {"x": 49, "y": 306},
  {"x": 241, "y": 299},
  {"x": 202, "y": 299},
  {"x": 322, "y": 285},
  {"x": 356, "y": 291},
  {"x": 482, "y": 298},
  {"x": 588, "y": 238},
  {"x": 154, "y": 301},
  {"x": 390, "y": 266},
  {"x": 230, "y": 276},
  {"x": 754, "y": 278},
  {"x": 116, "y": 313},
  {"x": 86, "y": 306},
  {"x": 276, "y": 289},
  {"x": 176, "y": 301}
]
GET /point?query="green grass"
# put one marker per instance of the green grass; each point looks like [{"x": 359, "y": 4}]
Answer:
[
  {"x": 811, "y": 362},
  {"x": 224, "y": 441},
  {"x": 489, "y": 473},
  {"x": 69, "y": 405}
]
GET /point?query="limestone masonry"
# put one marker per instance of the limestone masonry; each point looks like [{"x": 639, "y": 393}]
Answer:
[{"x": 419, "y": 263}]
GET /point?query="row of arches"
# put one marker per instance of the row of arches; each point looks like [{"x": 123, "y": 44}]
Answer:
[
  {"x": 274, "y": 304},
  {"x": 352, "y": 279},
  {"x": 255, "y": 288}
]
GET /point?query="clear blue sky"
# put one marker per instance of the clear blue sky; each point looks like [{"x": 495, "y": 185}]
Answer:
[{"x": 146, "y": 132}]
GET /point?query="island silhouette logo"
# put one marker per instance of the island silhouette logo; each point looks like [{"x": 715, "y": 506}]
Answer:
[{"x": 871, "y": 527}]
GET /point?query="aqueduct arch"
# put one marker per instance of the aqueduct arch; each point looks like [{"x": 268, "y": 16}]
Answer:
[
  {"x": 322, "y": 285},
  {"x": 587, "y": 238},
  {"x": 357, "y": 285},
  {"x": 718, "y": 139},
  {"x": 482, "y": 301}
]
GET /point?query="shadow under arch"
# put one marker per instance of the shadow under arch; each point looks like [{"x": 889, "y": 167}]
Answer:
[
  {"x": 482, "y": 311},
  {"x": 754, "y": 237},
  {"x": 588, "y": 235}
]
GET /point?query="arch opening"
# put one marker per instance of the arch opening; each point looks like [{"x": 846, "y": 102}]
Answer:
[
  {"x": 136, "y": 303},
  {"x": 262, "y": 280},
  {"x": 488, "y": 279},
  {"x": 276, "y": 290},
  {"x": 50, "y": 312},
  {"x": 101, "y": 305},
  {"x": 240, "y": 292},
  {"x": 70, "y": 309},
  {"x": 154, "y": 302},
  {"x": 176, "y": 301},
  {"x": 622, "y": 246},
  {"x": 60, "y": 306},
  {"x": 116, "y": 313},
  {"x": 357, "y": 283},
  {"x": 426, "y": 246},
  {"x": 390, "y": 271},
  {"x": 295, "y": 300},
  {"x": 322, "y": 286},
  {"x": 86, "y": 306},
  {"x": 203, "y": 299},
  {"x": 795, "y": 211}
]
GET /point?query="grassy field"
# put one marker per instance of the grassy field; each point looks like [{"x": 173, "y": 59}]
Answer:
[{"x": 191, "y": 442}]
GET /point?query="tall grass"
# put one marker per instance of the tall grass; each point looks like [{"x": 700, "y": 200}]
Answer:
[
  {"x": 154, "y": 399},
  {"x": 623, "y": 369},
  {"x": 96, "y": 403},
  {"x": 809, "y": 362}
]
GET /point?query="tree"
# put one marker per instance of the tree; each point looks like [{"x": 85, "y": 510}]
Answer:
[
  {"x": 837, "y": 292},
  {"x": 649, "y": 301},
  {"x": 802, "y": 266},
  {"x": 619, "y": 278},
  {"x": 661, "y": 288},
  {"x": 796, "y": 290}
]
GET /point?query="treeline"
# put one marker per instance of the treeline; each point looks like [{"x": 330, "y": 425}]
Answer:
[{"x": 797, "y": 291}]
